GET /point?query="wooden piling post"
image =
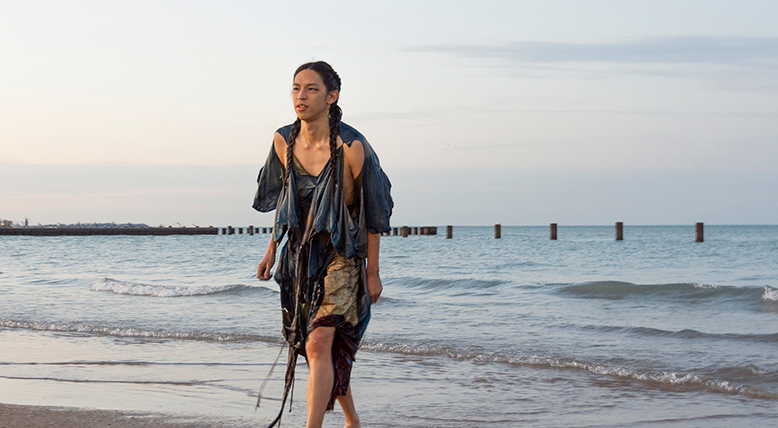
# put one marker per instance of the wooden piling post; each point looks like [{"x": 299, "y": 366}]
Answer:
[
  {"x": 404, "y": 231},
  {"x": 415, "y": 230},
  {"x": 619, "y": 231},
  {"x": 699, "y": 230},
  {"x": 449, "y": 231},
  {"x": 497, "y": 231},
  {"x": 394, "y": 231},
  {"x": 553, "y": 231}
]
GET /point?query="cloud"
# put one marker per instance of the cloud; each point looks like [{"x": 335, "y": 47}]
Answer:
[{"x": 757, "y": 52}]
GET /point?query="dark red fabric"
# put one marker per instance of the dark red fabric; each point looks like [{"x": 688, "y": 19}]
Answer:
[{"x": 344, "y": 350}]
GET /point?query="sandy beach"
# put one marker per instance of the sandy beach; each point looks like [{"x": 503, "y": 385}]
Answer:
[{"x": 15, "y": 416}]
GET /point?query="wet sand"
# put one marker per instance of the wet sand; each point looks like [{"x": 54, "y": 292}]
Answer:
[{"x": 16, "y": 416}]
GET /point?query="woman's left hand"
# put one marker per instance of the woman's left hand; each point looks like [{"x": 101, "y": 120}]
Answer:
[{"x": 374, "y": 286}]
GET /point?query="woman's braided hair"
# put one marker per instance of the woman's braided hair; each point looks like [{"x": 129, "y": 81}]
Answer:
[{"x": 332, "y": 83}]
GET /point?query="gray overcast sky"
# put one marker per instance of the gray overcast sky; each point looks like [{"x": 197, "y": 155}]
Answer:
[{"x": 522, "y": 112}]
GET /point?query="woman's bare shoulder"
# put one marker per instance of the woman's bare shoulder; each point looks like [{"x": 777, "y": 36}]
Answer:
[
  {"x": 279, "y": 142},
  {"x": 354, "y": 152}
]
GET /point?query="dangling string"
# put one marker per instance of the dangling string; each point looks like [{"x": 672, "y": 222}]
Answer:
[
  {"x": 264, "y": 383},
  {"x": 291, "y": 397}
]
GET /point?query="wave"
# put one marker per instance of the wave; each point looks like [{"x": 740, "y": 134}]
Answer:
[
  {"x": 686, "y": 334},
  {"x": 393, "y": 301},
  {"x": 681, "y": 382},
  {"x": 616, "y": 290},
  {"x": 138, "y": 289},
  {"x": 443, "y": 284},
  {"x": 140, "y": 333}
]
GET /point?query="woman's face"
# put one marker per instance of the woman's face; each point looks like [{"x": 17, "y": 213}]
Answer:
[{"x": 310, "y": 97}]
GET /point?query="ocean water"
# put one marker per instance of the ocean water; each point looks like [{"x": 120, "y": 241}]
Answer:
[{"x": 585, "y": 331}]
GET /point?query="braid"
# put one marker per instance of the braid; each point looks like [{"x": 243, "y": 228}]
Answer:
[
  {"x": 289, "y": 148},
  {"x": 335, "y": 115}
]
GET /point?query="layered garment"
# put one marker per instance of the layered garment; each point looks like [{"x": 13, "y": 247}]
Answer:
[{"x": 321, "y": 269}]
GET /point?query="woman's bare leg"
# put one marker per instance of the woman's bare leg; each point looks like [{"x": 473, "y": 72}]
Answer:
[
  {"x": 347, "y": 404},
  {"x": 321, "y": 373}
]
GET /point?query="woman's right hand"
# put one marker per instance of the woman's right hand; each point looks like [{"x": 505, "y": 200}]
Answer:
[{"x": 263, "y": 269}]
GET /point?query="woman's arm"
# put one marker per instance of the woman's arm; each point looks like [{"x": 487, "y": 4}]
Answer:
[
  {"x": 355, "y": 159},
  {"x": 374, "y": 285},
  {"x": 267, "y": 262}
]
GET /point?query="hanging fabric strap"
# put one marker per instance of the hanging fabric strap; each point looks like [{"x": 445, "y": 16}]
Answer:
[{"x": 289, "y": 379}]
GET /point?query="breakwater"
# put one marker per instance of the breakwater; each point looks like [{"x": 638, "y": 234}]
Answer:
[
  {"x": 403, "y": 231},
  {"x": 88, "y": 231},
  {"x": 170, "y": 230}
]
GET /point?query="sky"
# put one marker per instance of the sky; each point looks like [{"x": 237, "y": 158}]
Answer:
[{"x": 512, "y": 112}]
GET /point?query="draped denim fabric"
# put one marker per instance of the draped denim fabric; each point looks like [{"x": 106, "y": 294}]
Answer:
[{"x": 348, "y": 238}]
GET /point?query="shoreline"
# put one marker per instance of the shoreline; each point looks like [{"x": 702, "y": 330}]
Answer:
[{"x": 25, "y": 416}]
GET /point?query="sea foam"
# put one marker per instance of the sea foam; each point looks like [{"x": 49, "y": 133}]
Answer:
[
  {"x": 137, "y": 289},
  {"x": 770, "y": 294}
]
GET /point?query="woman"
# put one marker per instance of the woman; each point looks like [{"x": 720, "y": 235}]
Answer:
[{"x": 332, "y": 200}]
